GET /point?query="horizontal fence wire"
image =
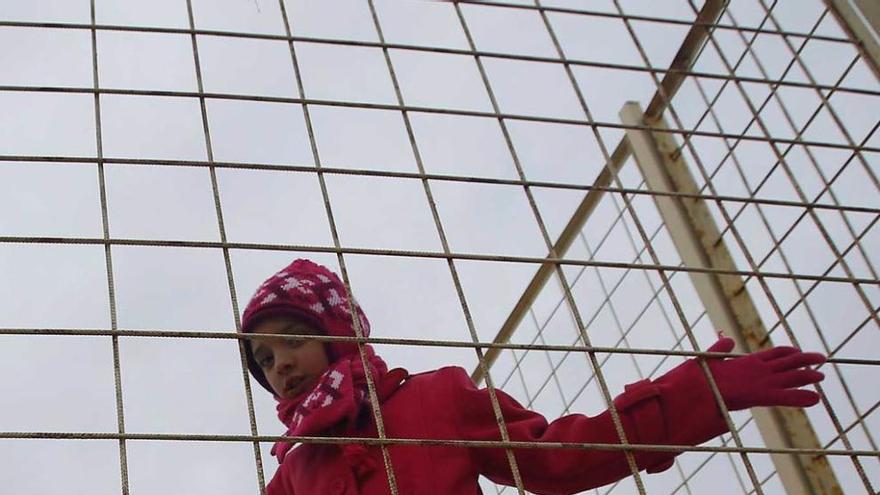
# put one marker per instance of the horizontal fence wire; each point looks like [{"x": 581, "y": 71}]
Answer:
[
  {"x": 660, "y": 20},
  {"x": 337, "y": 440},
  {"x": 442, "y": 177},
  {"x": 427, "y": 255},
  {"x": 439, "y": 111},
  {"x": 221, "y": 335}
]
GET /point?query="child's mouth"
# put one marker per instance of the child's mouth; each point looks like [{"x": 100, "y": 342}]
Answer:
[{"x": 295, "y": 385}]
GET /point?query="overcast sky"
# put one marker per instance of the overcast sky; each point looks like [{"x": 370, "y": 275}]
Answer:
[{"x": 66, "y": 384}]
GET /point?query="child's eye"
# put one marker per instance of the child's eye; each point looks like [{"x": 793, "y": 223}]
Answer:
[{"x": 264, "y": 361}]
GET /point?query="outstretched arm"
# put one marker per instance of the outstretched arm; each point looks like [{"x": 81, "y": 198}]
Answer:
[{"x": 677, "y": 408}]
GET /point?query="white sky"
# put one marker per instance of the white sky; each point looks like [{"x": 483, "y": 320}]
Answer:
[{"x": 64, "y": 383}]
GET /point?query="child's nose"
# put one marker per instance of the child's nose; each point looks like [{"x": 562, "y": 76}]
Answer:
[{"x": 286, "y": 363}]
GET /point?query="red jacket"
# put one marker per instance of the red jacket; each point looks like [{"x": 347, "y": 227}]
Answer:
[{"x": 677, "y": 408}]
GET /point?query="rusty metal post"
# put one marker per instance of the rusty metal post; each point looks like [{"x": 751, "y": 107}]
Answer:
[
  {"x": 727, "y": 302},
  {"x": 861, "y": 21}
]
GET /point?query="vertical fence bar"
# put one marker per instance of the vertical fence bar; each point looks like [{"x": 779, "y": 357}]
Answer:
[
  {"x": 230, "y": 279},
  {"x": 334, "y": 232},
  {"x": 560, "y": 274},
  {"x": 108, "y": 256},
  {"x": 444, "y": 241}
]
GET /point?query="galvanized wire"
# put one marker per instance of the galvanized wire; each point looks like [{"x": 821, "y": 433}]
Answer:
[
  {"x": 223, "y": 335},
  {"x": 230, "y": 279},
  {"x": 443, "y": 178},
  {"x": 427, "y": 255},
  {"x": 108, "y": 257},
  {"x": 359, "y": 332},
  {"x": 589, "y": 122},
  {"x": 451, "y": 51},
  {"x": 490, "y": 444}
]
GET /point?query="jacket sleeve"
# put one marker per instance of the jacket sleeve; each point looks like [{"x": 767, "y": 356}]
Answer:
[{"x": 676, "y": 409}]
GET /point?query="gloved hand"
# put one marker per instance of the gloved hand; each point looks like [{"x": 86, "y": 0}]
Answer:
[{"x": 765, "y": 378}]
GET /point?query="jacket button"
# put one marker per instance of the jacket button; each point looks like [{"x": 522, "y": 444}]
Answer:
[{"x": 338, "y": 486}]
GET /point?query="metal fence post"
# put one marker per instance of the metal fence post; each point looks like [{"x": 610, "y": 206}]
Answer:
[{"x": 728, "y": 304}]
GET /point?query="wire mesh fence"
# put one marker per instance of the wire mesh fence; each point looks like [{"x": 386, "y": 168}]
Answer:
[{"x": 467, "y": 169}]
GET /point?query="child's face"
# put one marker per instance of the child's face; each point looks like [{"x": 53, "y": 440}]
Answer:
[{"x": 291, "y": 366}]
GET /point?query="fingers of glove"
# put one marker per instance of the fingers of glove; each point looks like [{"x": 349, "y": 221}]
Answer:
[
  {"x": 776, "y": 353},
  {"x": 795, "y": 398},
  {"x": 724, "y": 344},
  {"x": 753, "y": 398},
  {"x": 797, "y": 378},
  {"x": 797, "y": 360}
]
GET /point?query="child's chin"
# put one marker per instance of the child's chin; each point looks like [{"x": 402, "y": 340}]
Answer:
[{"x": 301, "y": 391}]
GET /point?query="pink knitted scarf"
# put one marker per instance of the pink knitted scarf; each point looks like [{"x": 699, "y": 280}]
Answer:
[{"x": 336, "y": 402}]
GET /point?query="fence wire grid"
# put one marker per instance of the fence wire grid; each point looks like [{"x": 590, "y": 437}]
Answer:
[{"x": 471, "y": 171}]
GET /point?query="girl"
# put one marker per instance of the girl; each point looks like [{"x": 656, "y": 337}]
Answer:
[{"x": 321, "y": 389}]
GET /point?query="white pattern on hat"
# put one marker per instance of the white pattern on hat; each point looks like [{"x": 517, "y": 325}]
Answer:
[
  {"x": 335, "y": 299},
  {"x": 295, "y": 283}
]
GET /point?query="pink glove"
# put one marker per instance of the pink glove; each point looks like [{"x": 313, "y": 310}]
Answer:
[{"x": 765, "y": 378}]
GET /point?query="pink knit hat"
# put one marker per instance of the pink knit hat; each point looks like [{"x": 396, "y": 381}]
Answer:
[{"x": 311, "y": 292}]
